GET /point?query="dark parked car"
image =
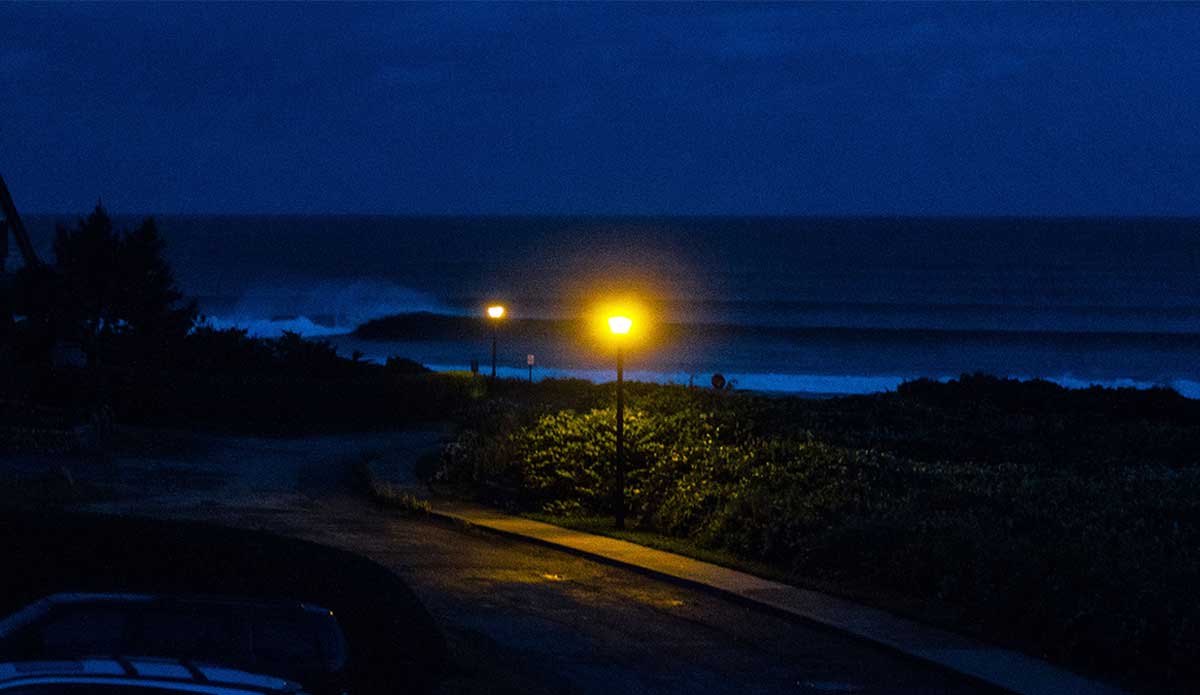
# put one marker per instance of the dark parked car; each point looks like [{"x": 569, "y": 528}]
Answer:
[{"x": 285, "y": 639}]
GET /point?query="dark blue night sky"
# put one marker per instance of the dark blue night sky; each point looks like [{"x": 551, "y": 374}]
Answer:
[{"x": 692, "y": 109}]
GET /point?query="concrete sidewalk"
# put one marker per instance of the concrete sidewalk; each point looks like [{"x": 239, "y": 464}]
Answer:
[{"x": 999, "y": 667}]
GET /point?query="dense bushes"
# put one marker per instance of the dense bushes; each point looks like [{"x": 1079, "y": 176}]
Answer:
[
  {"x": 975, "y": 495},
  {"x": 979, "y": 418},
  {"x": 229, "y": 380}
]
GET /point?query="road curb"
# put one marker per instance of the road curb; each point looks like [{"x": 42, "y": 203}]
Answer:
[{"x": 993, "y": 666}]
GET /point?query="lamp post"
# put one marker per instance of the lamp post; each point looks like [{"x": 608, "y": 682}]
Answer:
[
  {"x": 620, "y": 325},
  {"x": 495, "y": 313}
]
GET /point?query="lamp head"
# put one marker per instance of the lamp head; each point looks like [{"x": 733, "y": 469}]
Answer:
[
  {"x": 620, "y": 325},
  {"x": 495, "y": 312}
]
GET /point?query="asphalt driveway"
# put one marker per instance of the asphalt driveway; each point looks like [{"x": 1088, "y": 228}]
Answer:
[{"x": 518, "y": 617}]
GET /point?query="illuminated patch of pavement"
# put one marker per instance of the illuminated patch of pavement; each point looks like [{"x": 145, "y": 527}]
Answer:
[{"x": 518, "y": 576}]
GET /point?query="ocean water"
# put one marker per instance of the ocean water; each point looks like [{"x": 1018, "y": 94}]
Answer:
[{"x": 848, "y": 305}]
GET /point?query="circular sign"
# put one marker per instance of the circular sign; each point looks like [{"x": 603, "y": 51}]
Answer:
[{"x": 718, "y": 381}]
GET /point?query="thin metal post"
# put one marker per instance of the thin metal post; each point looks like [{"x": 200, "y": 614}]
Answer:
[
  {"x": 620, "y": 439},
  {"x": 493, "y": 352}
]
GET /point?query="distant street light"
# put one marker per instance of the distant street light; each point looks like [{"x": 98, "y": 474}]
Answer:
[
  {"x": 620, "y": 325},
  {"x": 495, "y": 313}
]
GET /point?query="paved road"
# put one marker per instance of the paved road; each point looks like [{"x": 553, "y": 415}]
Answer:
[{"x": 517, "y": 615}]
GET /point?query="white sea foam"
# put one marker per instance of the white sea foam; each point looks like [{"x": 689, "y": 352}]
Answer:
[
  {"x": 320, "y": 309},
  {"x": 273, "y": 328}
]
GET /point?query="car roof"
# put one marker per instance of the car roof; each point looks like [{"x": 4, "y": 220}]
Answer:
[
  {"x": 66, "y": 598},
  {"x": 171, "y": 674},
  {"x": 43, "y": 606}
]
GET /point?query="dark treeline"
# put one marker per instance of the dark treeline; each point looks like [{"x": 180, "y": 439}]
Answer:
[{"x": 106, "y": 328}]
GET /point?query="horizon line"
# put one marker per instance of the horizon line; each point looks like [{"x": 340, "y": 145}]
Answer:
[{"x": 654, "y": 215}]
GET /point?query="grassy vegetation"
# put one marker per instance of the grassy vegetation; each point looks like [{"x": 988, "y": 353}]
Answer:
[{"x": 1063, "y": 522}]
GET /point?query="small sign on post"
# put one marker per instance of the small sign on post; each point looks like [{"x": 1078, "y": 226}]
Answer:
[{"x": 529, "y": 361}]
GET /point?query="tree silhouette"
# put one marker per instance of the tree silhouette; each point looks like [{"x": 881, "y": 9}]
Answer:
[
  {"x": 149, "y": 302},
  {"x": 114, "y": 288}
]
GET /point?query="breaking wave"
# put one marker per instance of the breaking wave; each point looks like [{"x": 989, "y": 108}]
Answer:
[{"x": 318, "y": 309}]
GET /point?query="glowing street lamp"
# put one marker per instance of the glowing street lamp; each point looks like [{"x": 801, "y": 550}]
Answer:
[
  {"x": 620, "y": 325},
  {"x": 495, "y": 313}
]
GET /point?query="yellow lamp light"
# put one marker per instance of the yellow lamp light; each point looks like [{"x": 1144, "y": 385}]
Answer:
[
  {"x": 620, "y": 324},
  {"x": 495, "y": 312}
]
